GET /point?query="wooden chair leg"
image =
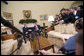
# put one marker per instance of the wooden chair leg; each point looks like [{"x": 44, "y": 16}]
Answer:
[{"x": 53, "y": 48}]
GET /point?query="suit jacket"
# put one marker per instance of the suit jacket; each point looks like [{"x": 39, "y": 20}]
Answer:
[
  {"x": 25, "y": 29},
  {"x": 38, "y": 27},
  {"x": 69, "y": 18},
  {"x": 65, "y": 18},
  {"x": 79, "y": 13},
  {"x": 72, "y": 18}
]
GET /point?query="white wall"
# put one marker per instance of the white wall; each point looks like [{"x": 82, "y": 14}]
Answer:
[{"x": 37, "y": 8}]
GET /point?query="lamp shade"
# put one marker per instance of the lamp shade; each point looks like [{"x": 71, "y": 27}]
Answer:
[{"x": 50, "y": 18}]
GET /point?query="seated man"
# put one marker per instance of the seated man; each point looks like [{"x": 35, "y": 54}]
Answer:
[
  {"x": 79, "y": 47},
  {"x": 70, "y": 46},
  {"x": 25, "y": 30}
]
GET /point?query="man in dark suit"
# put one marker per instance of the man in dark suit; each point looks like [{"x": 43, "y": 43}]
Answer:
[
  {"x": 66, "y": 16},
  {"x": 37, "y": 29},
  {"x": 25, "y": 30},
  {"x": 79, "y": 13}
]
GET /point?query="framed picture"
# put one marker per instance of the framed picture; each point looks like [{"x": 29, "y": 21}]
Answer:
[
  {"x": 8, "y": 15},
  {"x": 11, "y": 21},
  {"x": 43, "y": 17},
  {"x": 27, "y": 14}
]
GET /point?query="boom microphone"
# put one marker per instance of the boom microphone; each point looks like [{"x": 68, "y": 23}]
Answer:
[
  {"x": 8, "y": 24},
  {"x": 5, "y": 2}
]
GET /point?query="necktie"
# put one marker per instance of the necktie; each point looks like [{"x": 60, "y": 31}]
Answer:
[{"x": 36, "y": 28}]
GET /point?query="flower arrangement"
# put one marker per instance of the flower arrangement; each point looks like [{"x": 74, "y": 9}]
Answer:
[{"x": 22, "y": 21}]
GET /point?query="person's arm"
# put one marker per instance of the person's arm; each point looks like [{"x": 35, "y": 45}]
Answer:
[
  {"x": 39, "y": 27},
  {"x": 48, "y": 53},
  {"x": 63, "y": 40},
  {"x": 34, "y": 28},
  {"x": 23, "y": 30}
]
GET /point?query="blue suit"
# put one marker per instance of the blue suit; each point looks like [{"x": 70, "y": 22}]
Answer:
[
  {"x": 25, "y": 30},
  {"x": 70, "y": 44},
  {"x": 37, "y": 31}
]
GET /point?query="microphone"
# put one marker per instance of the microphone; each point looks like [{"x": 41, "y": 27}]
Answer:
[{"x": 8, "y": 24}]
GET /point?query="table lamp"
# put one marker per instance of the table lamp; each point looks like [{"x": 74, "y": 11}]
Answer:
[{"x": 51, "y": 19}]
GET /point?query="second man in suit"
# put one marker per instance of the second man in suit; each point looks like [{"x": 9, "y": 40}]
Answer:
[{"x": 37, "y": 29}]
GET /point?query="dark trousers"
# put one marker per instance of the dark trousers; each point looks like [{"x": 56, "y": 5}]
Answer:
[
  {"x": 37, "y": 33},
  {"x": 64, "y": 51},
  {"x": 28, "y": 35}
]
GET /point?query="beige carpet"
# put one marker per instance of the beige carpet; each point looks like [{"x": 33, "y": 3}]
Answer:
[
  {"x": 57, "y": 43},
  {"x": 10, "y": 45}
]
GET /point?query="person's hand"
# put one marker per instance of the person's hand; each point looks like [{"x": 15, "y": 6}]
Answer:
[
  {"x": 48, "y": 53},
  {"x": 39, "y": 30},
  {"x": 26, "y": 32},
  {"x": 44, "y": 52},
  {"x": 63, "y": 39}
]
